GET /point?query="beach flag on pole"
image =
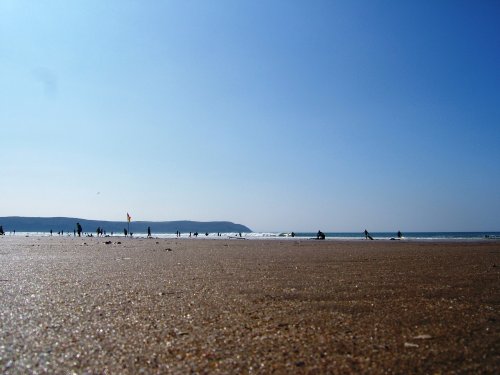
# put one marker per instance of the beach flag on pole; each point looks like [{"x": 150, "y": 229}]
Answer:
[{"x": 128, "y": 217}]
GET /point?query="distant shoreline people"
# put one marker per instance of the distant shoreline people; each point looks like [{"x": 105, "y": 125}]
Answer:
[
  {"x": 79, "y": 229},
  {"x": 368, "y": 236},
  {"x": 400, "y": 235},
  {"x": 1, "y": 231},
  {"x": 149, "y": 232},
  {"x": 320, "y": 235}
]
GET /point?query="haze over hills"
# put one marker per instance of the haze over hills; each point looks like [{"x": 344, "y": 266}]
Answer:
[{"x": 68, "y": 224}]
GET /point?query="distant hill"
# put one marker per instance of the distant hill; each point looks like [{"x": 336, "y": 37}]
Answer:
[{"x": 68, "y": 224}]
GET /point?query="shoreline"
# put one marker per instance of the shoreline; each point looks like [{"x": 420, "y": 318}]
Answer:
[
  {"x": 266, "y": 236},
  {"x": 229, "y": 306}
]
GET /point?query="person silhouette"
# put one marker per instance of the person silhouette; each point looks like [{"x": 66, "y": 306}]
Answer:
[
  {"x": 320, "y": 235},
  {"x": 79, "y": 229},
  {"x": 368, "y": 236}
]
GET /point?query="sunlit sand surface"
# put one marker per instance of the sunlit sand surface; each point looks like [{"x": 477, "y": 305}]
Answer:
[{"x": 248, "y": 306}]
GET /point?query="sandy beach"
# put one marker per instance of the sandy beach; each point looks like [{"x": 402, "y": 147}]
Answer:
[{"x": 248, "y": 306}]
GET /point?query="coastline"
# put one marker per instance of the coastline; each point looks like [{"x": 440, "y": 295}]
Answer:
[
  {"x": 169, "y": 305},
  {"x": 330, "y": 236}
]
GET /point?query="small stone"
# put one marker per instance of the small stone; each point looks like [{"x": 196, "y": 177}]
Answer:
[
  {"x": 410, "y": 345},
  {"x": 422, "y": 337}
]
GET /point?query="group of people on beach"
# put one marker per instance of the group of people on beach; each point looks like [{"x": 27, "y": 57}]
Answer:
[
  {"x": 321, "y": 236},
  {"x": 369, "y": 237},
  {"x": 101, "y": 232}
]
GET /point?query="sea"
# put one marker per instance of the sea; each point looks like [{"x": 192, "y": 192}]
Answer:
[{"x": 330, "y": 236}]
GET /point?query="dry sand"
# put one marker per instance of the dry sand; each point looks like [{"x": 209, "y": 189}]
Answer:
[{"x": 248, "y": 306}]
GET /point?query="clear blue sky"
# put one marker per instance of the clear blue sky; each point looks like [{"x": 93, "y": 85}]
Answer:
[{"x": 280, "y": 115}]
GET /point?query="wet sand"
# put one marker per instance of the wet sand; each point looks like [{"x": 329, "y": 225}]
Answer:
[{"x": 248, "y": 306}]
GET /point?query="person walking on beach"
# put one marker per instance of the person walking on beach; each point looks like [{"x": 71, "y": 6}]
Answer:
[
  {"x": 400, "y": 234},
  {"x": 368, "y": 236},
  {"x": 79, "y": 229},
  {"x": 149, "y": 232}
]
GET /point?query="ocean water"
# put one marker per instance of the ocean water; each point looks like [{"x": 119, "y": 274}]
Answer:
[
  {"x": 344, "y": 236},
  {"x": 430, "y": 236},
  {"x": 407, "y": 235}
]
